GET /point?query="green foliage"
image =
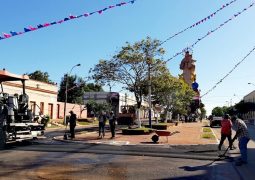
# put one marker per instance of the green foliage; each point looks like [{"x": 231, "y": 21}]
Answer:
[
  {"x": 172, "y": 93},
  {"x": 76, "y": 87},
  {"x": 244, "y": 107},
  {"x": 129, "y": 67},
  {"x": 208, "y": 136},
  {"x": 45, "y": 120},
  {"x": 158, "y": 126},
  {"x": 218, "y": 111},
  {"x": 207, "y": 129},
  {"x": 137, "y": 131},
  {"x": 98, "y": 107},
  {"x": 40, "y": 76}
]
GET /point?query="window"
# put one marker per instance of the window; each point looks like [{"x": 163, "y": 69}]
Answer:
[
  {"x": 32, "y": 106},
  {"x": 50, "y": 110},
  {"x": 42, "y": 107}
]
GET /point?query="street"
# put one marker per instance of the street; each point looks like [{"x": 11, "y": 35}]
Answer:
[
  {"x": 50, "y": 159},
  {"x": 62, "y": 165}
]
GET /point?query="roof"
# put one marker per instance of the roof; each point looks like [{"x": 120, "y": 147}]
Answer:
[{"x": 7, "y": 76}]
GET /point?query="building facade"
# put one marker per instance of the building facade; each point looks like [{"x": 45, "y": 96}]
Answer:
[
  {"x": 250, "y": 116},
  {"x": 120, "y": 100},
  {"x": 43, "y": 99}
]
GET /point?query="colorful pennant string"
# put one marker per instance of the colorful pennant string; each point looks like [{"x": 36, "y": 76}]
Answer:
[
  {"x": 220, "y": 81},
  {"x": 212, "y": 31},
  {"x": 71, "y": 17},
  {"x": 199, "y": 22}
]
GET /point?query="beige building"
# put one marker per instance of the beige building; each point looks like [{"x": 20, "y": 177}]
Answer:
[{"x": 43, "y": 98}]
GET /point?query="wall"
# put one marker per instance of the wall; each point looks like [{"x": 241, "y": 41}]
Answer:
[
  {"x": 43, "y": 93},
  {"x": 250, "y": 116}
]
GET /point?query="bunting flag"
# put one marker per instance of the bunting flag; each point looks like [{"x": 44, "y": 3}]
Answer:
[
  {"x": 221, "y": 80},
  {"x": 212, "y": 31},
  {"x": 200, "y": 22},
  {"x": 71, "y": 17}
]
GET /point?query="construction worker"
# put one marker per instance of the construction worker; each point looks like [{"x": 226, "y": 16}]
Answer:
[
  {"x": 72, "y": 123},
  {"x": 112, "y": 122},
  {"x": 243, "y": 137}
]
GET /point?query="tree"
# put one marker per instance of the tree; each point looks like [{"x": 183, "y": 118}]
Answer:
[
  {"x": 97, "y": 107},
  {"x": 40, "y": 76},
  {"x": 91, "y": 87},
  {"x": 75, "y": 89},
  {"x": 174, "y": 94},
  {"x": 244, "y": 107},
  {"x": 217, "y": 111},
  {"x": 129, "y": 67}
]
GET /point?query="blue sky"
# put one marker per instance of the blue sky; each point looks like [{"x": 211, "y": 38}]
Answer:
[{"x": 57, "y": 48}]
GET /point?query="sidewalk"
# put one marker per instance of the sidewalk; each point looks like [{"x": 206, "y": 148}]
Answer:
[{"x": 189, "y": 134}]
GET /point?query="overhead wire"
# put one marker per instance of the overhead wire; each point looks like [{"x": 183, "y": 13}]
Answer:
[
  {"x": 220, "y": 81},
  {"x": 212, "y": 31}
]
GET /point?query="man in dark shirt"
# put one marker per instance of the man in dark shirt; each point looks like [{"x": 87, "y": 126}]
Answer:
[
  {"x": 112, "y": 121},
  {"x": 72, "y": 123}
]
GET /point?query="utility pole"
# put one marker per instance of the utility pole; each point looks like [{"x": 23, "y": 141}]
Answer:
[{"x": 149, "y": 88}]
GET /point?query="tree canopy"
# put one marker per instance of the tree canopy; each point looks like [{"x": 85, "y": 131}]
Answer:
[
  {"x": 129, "y": 67},
  {"x": 76, "y": 87},
  {"x": 40, "y": 76},
  {"x": 173, "y": 93}
]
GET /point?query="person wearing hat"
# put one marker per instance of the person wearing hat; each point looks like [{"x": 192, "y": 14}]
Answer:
[
  {"x": 226, "y": 131},
  {"x": 243, "y": 137},
  {"x": 72, "y": 123},
  {"x": 112, "y": 122}
]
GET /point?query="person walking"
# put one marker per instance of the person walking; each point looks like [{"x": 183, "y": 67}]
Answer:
[
  {"x": 226, "y": 131},
  {"x": 72, "y": 123},
  {"x": 243, "y": 137},
  {"x": 102, "y": 120},
  {"x": 112, "y": 122}
]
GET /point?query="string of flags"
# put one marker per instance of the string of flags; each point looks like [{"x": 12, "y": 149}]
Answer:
[
  {"x": 200, "y": 21},
  {"x": 71, "y": 17},
  {"x": 220, "y": 81},
  {"x": 212, "y": 31}
]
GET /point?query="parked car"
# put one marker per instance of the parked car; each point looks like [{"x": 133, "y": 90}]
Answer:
[{"x": 215, "y": 121}]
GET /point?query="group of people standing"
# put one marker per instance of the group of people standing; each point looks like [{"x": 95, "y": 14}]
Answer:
[
  {"x": 242, "y": 135},
  {"x": 102, "y": 118}
]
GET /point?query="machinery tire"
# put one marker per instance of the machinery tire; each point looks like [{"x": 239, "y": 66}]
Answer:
[{"x": 3, "y": 136}]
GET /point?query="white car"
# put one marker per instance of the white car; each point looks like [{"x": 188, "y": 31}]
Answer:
[{"x": 215, "y": 121}]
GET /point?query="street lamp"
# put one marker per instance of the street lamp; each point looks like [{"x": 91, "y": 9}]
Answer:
[
  {"x": 66, "y": 91},
  {"x": 251, "y": 84}
]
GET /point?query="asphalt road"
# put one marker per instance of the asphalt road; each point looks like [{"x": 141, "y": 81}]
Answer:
[
  {"x": 18, "y": 164},
  {"x": 49, "y": 159}
]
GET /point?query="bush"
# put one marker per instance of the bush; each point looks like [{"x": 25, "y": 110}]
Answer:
[
  {"x": 207, "y": 129},
  {"x": 157, "y": 126},
  {"x": 85, "y": 120},
  {"x": 137, "y": 131},
  {"x": 208, "y": 136},
  {"x": 45, "y": 120}
]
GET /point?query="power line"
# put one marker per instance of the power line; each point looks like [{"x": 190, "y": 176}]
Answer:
[
  {"x": 199, "y": 22},
  {"x": 212, "y": 31},
  {"x": 220, "y": 81}
]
